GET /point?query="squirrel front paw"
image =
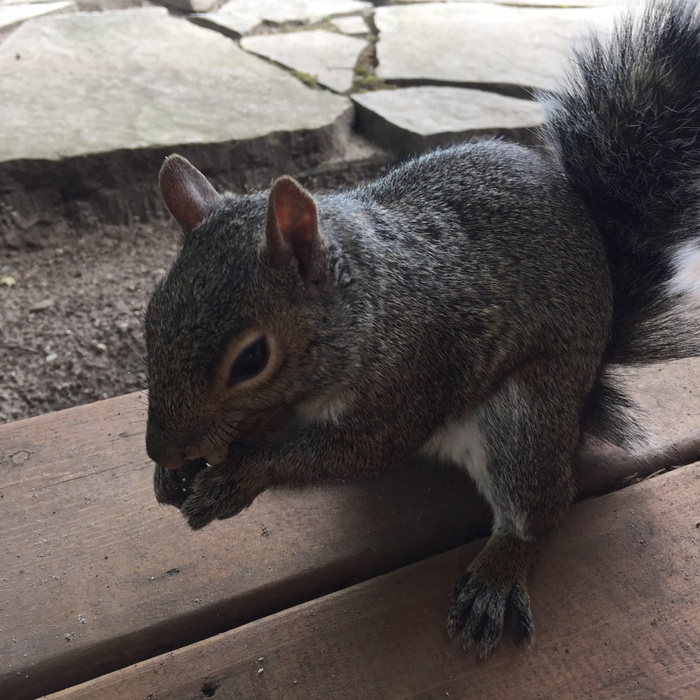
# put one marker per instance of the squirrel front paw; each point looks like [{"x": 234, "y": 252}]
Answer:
[
  {"x": 173, "y": 486},
  {"x": 219, "y": 492}
]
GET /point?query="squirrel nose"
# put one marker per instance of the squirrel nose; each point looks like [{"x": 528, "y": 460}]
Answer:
[
  {"x": 171, "y": 459},
  {"x": 166, "y": 455}
]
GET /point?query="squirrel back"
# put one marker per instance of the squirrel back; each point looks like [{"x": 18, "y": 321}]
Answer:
[{"x": 468, "y": 306}]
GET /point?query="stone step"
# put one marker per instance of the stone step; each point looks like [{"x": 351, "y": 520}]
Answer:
[
  {"x": 325, "y": 57},
  {"x": 95, "y": 101},
  {"x": 239, "y": 17},
  {"x": 12, "y": 13},
  {"x": 410, "y": 120},
  {"x": 513, "y": 50}
]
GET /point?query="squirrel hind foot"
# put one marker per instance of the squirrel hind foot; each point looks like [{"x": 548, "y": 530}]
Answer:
[
  {"x": 478, "y": 614},
  {"x": 492, "y": 584}
]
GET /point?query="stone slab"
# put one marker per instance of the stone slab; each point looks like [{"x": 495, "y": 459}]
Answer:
[
  {"x": 519, "y": 3},
  {"x": 231, "y": 26},
  {"x": 418, "y": 118},
  {"x": 615, "y": 597},
  {"x": 556, "y": 3},
  {"x": 80, "y": 101},
  {"x": 190, "y": 5},
  {"x": 511, "y": 49},
  {"x": 328, "y": 57},
  {"x": 11, "y": 14},
  {"x": 354, "y": 26},
  {"x": 105, "y": 96},
  {"x": 238, "y": 17}
]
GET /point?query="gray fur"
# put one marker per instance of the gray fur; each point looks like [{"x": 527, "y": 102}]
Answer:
[{"x": 485, "y": 283}]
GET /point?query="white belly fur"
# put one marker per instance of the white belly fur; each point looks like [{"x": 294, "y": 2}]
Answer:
[{"x": 462, "y": 443}]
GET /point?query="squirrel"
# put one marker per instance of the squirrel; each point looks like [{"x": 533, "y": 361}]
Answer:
[{"x": 468, "y": 305}]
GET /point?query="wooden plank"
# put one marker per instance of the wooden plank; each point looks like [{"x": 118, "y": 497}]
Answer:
[
  {"x": 95, "y": 575},
  {"x": 669, "y": 394},
  {"x": 616, "y": 599}
]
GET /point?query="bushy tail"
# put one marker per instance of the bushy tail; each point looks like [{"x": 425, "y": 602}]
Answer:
[{"x": 625, "y": 126}]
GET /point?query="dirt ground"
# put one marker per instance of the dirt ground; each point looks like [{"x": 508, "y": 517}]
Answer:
[
  {"x": 72, "y": 297},
  {"x": 70, "y": 325}
]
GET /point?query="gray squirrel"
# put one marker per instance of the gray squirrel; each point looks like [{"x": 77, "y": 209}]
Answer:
[{"x": 466, "y": 306}]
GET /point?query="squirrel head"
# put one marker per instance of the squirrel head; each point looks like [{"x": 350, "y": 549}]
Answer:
[{"x": 229, "y": 327}]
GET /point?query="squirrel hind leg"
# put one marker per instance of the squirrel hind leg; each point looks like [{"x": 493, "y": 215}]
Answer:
[{"x": 528, "y": 434}]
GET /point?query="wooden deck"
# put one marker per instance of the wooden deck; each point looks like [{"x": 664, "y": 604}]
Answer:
[{"x": 339, "y": 592}]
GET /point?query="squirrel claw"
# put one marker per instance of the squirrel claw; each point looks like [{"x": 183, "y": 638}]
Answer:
[
  {"x": 200, "y": 509},
  {"x": 478, "y": 612},
  {"x": 218, "y": 492},
  {"x": 200, "y": 512},
  {"x": 196, "y": 517}
]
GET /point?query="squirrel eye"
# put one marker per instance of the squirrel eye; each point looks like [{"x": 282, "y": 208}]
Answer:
[{"x": 250, "y": 362}]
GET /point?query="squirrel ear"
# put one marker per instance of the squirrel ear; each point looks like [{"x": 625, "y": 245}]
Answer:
[
  {"x": 292, "y": 229},
  {"x": 189, "y": 196}
]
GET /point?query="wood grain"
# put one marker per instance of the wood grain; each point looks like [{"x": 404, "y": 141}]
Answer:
[
  {"x": 669, "y": 396},
  {"x": 616, "y": 598},
  {"x": 94, "y": 575}
]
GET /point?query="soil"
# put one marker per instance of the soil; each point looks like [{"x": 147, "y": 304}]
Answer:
[
  {"x": 70, "y": 327},
  {"x": 72, "y": 297}
]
